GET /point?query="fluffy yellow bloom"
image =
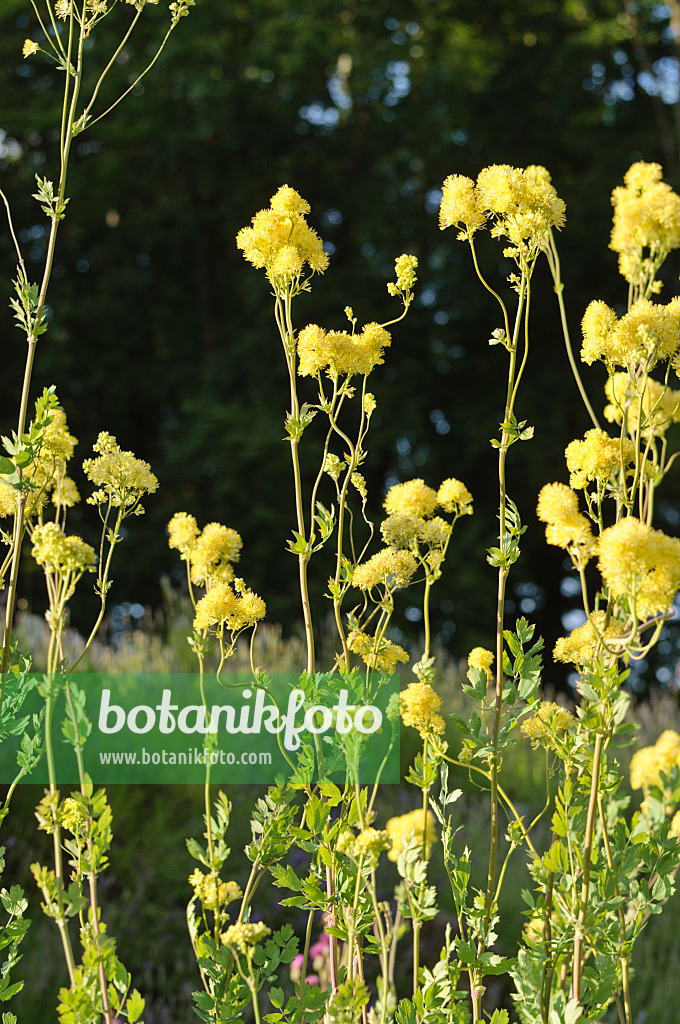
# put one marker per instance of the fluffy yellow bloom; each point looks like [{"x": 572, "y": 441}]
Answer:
[
  {"x": 648, "y": 762},
  {"x": 62, "y": 8},
  {"x": 435, "y": 532},
  {"x": 580, "y": 646},
  {"x": 653, "y": 414},
  {"x": 340, "y": 352},
  {"x": 244, "y": 936},
  {"x": 597, "y": 457},
  {"x": 74, "y": 816},
  {"x": 482, "y": 659},
  {"x": 453, "y": 496},
  {"x": 646, "y": 221},
  {"x": 183, "y": 533},
  {"x": 419, "y": 706},
  {"x": 281, "y": 241},
  {"x": 369, "y": 844},
  {"x": 122, "y": 478},
  {"x": 30, "y": 47},
  {"x": 635, "y": 559},
  {"x": 548, "y": 721},
  {"x": 58, "y": 553},
  {"x": 212, "y": 891},
  {"x": 413, "y": 497},
  {"x": 460, "y": 206},
  {"x": 644, "y": 335},
  {"x": 566, "y": 527},
  {"x": 387, "y": 568},
  {"x": 399, "y": 829},
  {"x": 212, "y": 554},
  {"x": 223, "y": 606},
  {"x": 524, "y": 203},
  {"x": 65, "y": 494},
  {"x": 400, "y": 529},
  {"x": 405, "y": 272},
  {"x": 380, "y": 655}
]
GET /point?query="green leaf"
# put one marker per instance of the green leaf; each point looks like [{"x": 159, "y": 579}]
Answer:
[
  {"x": 135, "y": 1006},
  {"x": 466, "y": 952},
  {"x": 276, "y": 997},
  {"x": 6, "y": 467}
]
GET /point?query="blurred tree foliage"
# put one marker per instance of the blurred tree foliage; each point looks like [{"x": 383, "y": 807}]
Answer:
[{"x": 162, "y": 335}]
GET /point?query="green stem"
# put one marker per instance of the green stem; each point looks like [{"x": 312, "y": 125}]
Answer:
[{"x": 577, "y": 965}]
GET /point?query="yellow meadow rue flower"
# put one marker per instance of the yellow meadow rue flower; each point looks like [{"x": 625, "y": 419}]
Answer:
[
  {"x": 597, "y": 457},
  {"x": 212, "y": 891},
  {"x": 183, "y": 533},
  {"x": 122, "y": 477},
  {"x": 370, "y": 843},
  {"x": 368, "y": 404},
  {"x": 659, "y": 407},
  {"x": 333, "y": 466},
  {"x": 460, "y": 206},
  {"x": 281, "y": 241},
  {"x": 435, "y": 532},
  {"x": 399, "y": 829},
  {"x": 646, "y": 221},
  {"x": 388, "y": 568},
  {"x": 481, "y": 659},
  {"x": 524, "y": 203},
  {"x": 381, "y": 655},
  {"x": 30, "y": 47},
  {"x": 245, "y": 936},
  {"x": 419, "y": 705},
  {"x": 74, "y": 817},
  {"x": 580, "y": 646},
  {"x": 647, "y": 333},
  {"x": 548, "y": 721},
  {"x": 647, "y": 763},
  {"x": 65, "y": 494},
  {"x": 453, "y": 496},
  {"x": 413, "y": 497},
  {"x": 405, "y": 271},
  {"x": 400, "y": 529},
  {"x": 250, "y": 607},
  {"x": 62, "y": 8},
  {"x": 359, "y": 483},
  {"x": 213, "y": 551},
  {"x": 339, "y": 352},
  {"x": 58, "y": 553},
  {"x": 635, "y": 559},
  {"x": 565, "y": 526}
]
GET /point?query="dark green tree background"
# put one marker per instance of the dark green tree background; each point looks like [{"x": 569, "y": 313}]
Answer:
[{"x": 161, "y": 334}]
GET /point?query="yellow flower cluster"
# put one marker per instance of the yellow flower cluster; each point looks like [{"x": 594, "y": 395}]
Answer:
[
  {"x": 522, "y": 203},
  {"x": 399, "y": 829},
  {"x": 183, "y": 533},
  {"x": 419, "y": 706},
  {"x": 454, "y": 497},
  {"x": 413, "y": 497},
  {"x": 212, "y": 554},
  {"x": 481, "y": 659},
  {"x": 652, "y": 412},
  {"x": 647, "y": 763},
  {"x": 646, "y": 221},
  {"x": 30, "y": 47},
  {"x": 597, "y": 457},
  {"x": 212, "y": 891},
  {"x": 546, "y": 723},
  {"x": 566, "y": 527},
  {"x": 339, "y": 352},
  {"x": 281, "y": 241},
  {"x": 58, "y": 553},
  {"x": 405, "y": 270},
  {"x": 245, "y": 936},
  {"x": 73, "y": 816},
  {"x": 382, "y": 655},
  {"x": 387, "y": 568},
  {"x": 636, "y": 560},
  {"x": 122, "y": 477},
  {"x": 646, "y": 334},
  {"x": 369, "y": 844},
  {"x": 580, "y": 646},
  {"x": 233, "y": 609},
  {"x": 62, "y": 8}
]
